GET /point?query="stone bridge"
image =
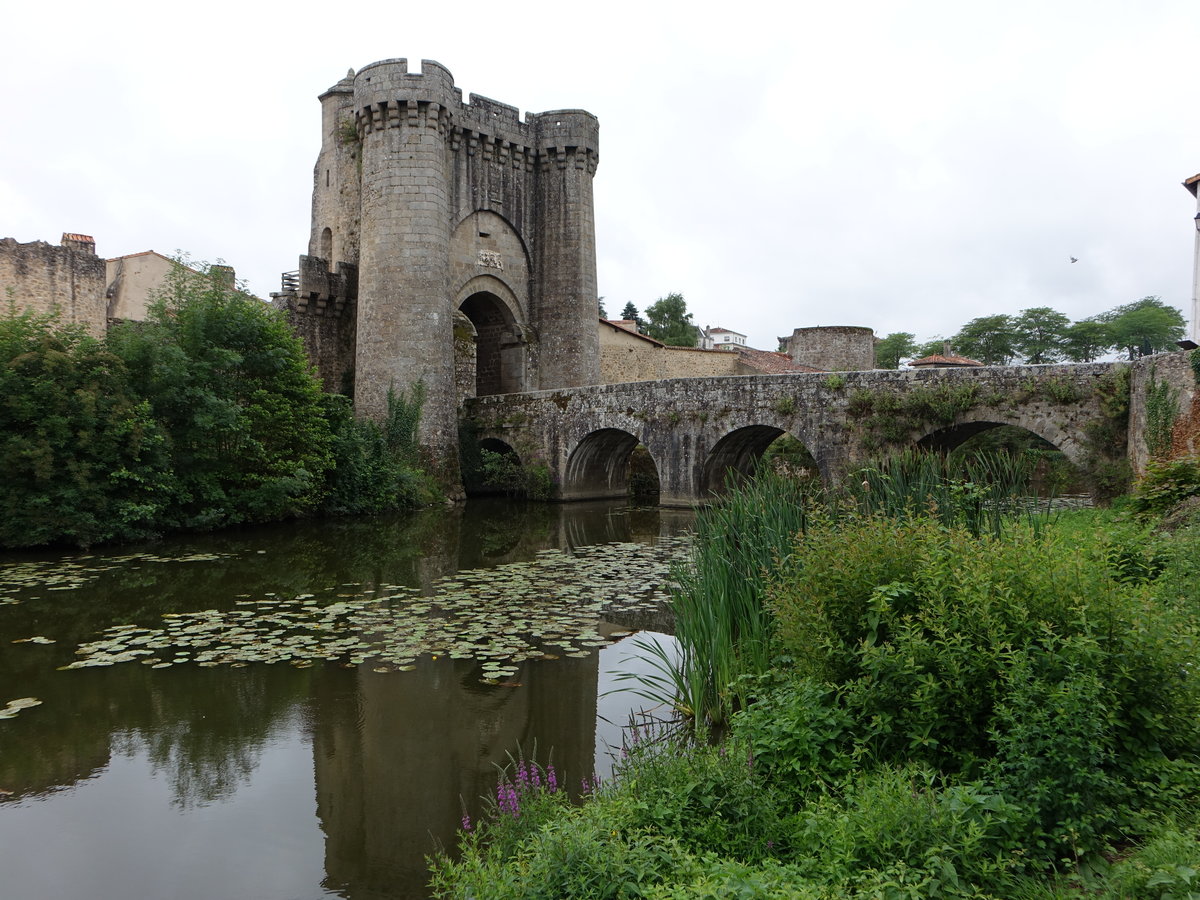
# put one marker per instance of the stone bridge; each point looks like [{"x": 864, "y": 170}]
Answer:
[{"x": 698, "y": 429}]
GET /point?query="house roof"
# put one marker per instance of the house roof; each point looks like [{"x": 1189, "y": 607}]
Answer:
[
  {"x": 724, "y": 331},
  {"x": 616, "y": 325},
  {"x": 143, "y": 253},
  {"x": 769, "y": 362},
  {"x": 1192, "y": 184},
  {"x": 939, "y": 359}
]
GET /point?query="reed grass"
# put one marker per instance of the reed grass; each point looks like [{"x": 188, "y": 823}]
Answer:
[{"x": 723, "y": 628}]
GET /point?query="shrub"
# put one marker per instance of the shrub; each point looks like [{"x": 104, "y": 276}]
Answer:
[
  {"x": 84, "y": 461},
  {"x": 1165, "y": 484},
  {"x": 229, "y": 382}
]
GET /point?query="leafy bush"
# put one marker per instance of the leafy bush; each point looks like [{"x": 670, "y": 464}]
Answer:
[
  {"x": 84, "y": 461},
  {"x": 229, "y": 382},
  {"x": 1165, "y": 484},
  {"x": 376, "y": 467}
]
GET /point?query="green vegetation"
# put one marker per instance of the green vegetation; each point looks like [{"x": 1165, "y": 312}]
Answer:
[
  {"x": 1162, "y": 408},
  {"x": 895, "y": 348},
  {"x": 84, "y": 459},
  {"x": 668, "y": 320},
  {"x": 915, "y": 698},
  {"x": 1043, "y": 335},
  {"x": 205, "y": 415}
]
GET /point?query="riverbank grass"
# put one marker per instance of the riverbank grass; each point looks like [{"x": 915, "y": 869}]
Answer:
[{"x": 944, "y": 711}]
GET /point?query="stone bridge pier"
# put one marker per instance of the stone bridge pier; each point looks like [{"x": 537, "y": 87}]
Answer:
[{"x": 698, "y": 430}]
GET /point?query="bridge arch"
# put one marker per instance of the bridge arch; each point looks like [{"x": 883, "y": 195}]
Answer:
[
  {"x": 948, "y": 438},
  {"x": 598, "y": 466},
  {"x": 739, "y": 452}
]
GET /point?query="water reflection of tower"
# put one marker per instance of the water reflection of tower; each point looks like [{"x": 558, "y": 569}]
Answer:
[{"x": 394, "y": 753}]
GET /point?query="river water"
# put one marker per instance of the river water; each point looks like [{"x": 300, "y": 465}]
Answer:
[{"x": 308, "y": 710}]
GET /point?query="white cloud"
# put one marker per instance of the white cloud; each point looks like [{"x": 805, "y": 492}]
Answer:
[{"x": 902, "y": 166}]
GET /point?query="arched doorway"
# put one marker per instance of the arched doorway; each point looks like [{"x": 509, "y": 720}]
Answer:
[{"x": 499, "y": 345}]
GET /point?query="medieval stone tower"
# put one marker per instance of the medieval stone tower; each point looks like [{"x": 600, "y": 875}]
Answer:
[{"x": 452, "y": 244}]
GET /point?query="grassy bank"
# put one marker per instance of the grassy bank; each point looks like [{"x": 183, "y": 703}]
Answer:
[{"x": 940, "y": 698}]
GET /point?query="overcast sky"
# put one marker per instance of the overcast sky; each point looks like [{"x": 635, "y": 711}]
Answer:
[{"x": 905, "y": 166}]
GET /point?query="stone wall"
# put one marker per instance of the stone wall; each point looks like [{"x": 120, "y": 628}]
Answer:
[
  {"x": 67, "y": 280},
  {"x": 328, "y": 336},
  {"x": 623, "y": 363},
  {"x": 1175, "y": 369}
]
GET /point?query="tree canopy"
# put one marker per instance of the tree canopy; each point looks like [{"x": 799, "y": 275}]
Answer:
[
  {"x": 631, "y": 314},
  {"x": 668, "y": 320},
  {"x": 1040, "y": 334},
  {"x": 989, "y": 339},
  {"x": 894, "y": 348},
  {"x": 1144, "y": 327},
  {"x": 230, "y": 383}
]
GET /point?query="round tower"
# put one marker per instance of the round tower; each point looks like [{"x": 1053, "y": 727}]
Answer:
[
  {"x": 335, "y": 203},
  {"x": 405, "y": 327},
  {"x": 834, "y": 348},
  {"x": 565, "y": 298}
]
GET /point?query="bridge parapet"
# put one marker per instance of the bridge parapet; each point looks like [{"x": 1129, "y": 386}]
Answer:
[{"x": 697, "y": 429}]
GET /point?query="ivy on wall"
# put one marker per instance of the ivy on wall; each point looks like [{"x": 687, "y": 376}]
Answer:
[{"x": 1162, "y": 409}]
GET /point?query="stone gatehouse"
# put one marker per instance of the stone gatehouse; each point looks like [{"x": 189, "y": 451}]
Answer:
[{"x": 452, "y": 244}]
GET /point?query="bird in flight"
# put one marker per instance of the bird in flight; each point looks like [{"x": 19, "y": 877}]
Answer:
[{"x": 1074, "y": 260}]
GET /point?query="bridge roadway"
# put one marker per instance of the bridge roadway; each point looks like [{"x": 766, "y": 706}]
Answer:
[{"x": 697, "y": 429}]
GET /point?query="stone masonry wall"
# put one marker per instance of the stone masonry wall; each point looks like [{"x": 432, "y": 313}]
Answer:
[
  {"x": 45, "y": 278},
  {"x": 1176, "y": 370},
  {"x": 328, "y": 339},
  {"x": 646, "y": 362}
]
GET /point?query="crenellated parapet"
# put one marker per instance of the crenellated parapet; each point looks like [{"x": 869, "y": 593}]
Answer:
[{"x": 323, "y": 292}]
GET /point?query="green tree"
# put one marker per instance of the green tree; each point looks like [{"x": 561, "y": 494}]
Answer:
[
  {"x": 600, "y": 308},
  {"x": 83, "y": 460},
  {"x": 1040, "y": 334},
  {"x": 897, "y": 346},
  {"x": 229, "y": 381},
  {"x": 1086, "y": 340},
  {"x": 1144, "y": 327},
  {"x": 989, "y": 339},
  {"x": 668, "y": 320}
]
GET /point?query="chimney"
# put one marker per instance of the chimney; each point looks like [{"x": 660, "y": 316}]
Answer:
[{"x": 84, "y": 243}]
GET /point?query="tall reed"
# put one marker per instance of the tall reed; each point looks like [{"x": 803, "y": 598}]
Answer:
[
  {"x": 721, "y": 626},
  {"x": 980, "y": 492}
]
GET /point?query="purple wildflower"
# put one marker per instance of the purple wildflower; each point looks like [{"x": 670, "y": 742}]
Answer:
[
  {"x": 551, "y": 779},
  {"x": 466, "y": 822}
]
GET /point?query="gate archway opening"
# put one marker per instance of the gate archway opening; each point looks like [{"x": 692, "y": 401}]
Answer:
[
  {"x": 604, "y": 464},
  {"x": 499, "y": 345},
  {"x": 741, "y": 453}
]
